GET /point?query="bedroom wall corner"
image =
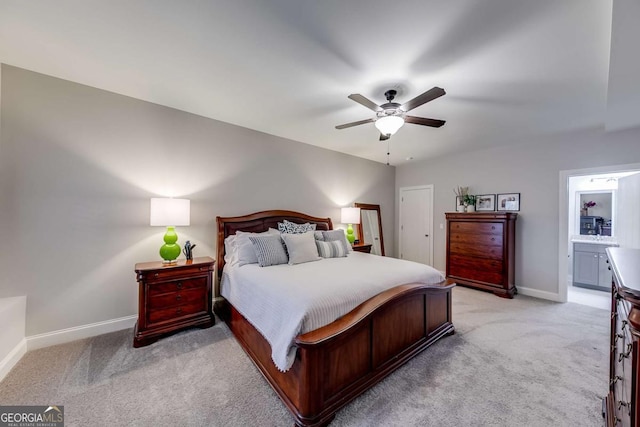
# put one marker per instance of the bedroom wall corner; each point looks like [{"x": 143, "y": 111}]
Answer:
[{"x": 13, "y": 344}]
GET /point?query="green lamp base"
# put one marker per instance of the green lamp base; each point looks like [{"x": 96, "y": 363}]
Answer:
[
  {"x": 170, "y": 251},
  {"x": 350, "y": 236}
]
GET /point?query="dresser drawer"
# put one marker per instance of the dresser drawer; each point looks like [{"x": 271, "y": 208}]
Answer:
[
  {"x": 468, "y": 249},
  {"x": 174, "y": 313},
  {"x": 477, "y": 227},
  {"x": 482, "y": 270},
  {"x": 177, "y": 285},
  {"x": 182, "y": 297},
  {"x": 476, "y": 239}
]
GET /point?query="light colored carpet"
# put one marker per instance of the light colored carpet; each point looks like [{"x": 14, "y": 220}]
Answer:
[{"x": 520, "y": 362}]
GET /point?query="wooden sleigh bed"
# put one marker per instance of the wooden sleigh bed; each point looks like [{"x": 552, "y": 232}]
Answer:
[{"x": 338, "y": 362}]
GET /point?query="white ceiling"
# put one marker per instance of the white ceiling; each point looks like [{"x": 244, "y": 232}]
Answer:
[{"x": 514, "y": 70}]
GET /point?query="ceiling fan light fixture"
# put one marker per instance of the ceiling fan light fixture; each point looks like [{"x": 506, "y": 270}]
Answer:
[{"x": 389, "y": 125}]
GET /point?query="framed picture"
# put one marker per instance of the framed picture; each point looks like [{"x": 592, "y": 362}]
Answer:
[
  {"x": 486, "y": 202},
  {"x": 509, "y": 202}
]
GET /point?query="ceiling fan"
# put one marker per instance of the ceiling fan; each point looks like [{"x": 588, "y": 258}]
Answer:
[{"x": 391, "y": 116}]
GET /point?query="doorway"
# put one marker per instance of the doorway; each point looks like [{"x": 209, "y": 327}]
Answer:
[
  {"x": 578, "y": 190},
  {"x": 416, "y": 224}
]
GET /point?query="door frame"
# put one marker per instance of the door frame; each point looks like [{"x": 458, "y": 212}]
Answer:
[
  {"x": 416, "y": 187},
  {"x": 563, "y": 220}
]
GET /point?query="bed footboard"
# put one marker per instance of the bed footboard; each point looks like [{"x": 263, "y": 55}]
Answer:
[{"x": 338, "y": 362}]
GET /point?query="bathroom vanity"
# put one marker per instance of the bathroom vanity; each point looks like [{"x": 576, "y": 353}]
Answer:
[{"x": 590, "y": 263}]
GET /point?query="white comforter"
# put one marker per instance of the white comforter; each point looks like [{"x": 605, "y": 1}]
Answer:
[{"x": 283, "y": 301}]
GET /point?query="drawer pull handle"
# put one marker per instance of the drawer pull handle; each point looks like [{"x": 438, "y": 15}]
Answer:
[
  {"x": 615, "y": 379},
  {"x": 156, "y": 275},
  {"x": 178, "y": 297},
  {"x": 179, "y": 285},
  {"x": 179, "y": 310},
  {"x": 203, "y": 268},
  {"x": 625, "y": 404},
  {"x": 626, "y": 354}
]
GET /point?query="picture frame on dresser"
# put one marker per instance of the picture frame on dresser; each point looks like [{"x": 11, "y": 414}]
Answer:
[
  {"x": 509, "y": 202},
  {"x": 486, "y": 202}
]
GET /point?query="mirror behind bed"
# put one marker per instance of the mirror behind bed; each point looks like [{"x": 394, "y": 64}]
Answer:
[{"x": 257, "y": 223}]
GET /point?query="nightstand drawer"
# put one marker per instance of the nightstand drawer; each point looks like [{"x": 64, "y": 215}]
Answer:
[
  {"x": 173, "y": 313},
  {"x": 172, "y": 273},
  {"x": 177, "y": 285},
  {"x": 171, "y": 299}
]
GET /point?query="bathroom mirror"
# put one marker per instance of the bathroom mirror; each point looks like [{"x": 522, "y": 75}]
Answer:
[
  {"x": 596, "y": 212},
  {"x": 370, "y": 227}
]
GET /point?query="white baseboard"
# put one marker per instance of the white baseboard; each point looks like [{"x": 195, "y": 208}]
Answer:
[
  {"x": 12, "y": 358},
  {"x": 79, "y": 332},
  {"x": 539, "y": 294}
]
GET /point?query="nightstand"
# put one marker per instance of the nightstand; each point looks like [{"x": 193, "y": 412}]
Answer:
[
  {"x": 362, "y": 247},
  {"x": 172, "y": 298}
]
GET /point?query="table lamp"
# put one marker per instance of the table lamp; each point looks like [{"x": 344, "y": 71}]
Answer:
[
  {"x": 350, "y": 216},
  {"x": 170, "y": 213}
]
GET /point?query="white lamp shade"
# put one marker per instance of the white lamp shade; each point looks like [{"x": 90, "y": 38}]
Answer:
[
  {"x": 388, "y": 125},
  {"x": 350, "y": 216},
  {"x": 170, "y": 212}
]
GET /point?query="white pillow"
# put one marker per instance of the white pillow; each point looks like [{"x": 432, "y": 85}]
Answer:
[
  {"x": 301, "y": 247},
  {"x": 246, "y": 253},
  {"x": 230, "y": 250}
]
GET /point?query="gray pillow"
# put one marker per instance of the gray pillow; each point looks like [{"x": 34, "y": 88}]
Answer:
[
  {"x": 339, "y": 236},
  {"x": 269, "y": 250},
  {"x": 246, "y": 254},
  {"x": 333, "y": 249},
  {"x": 301, "y": 247}
]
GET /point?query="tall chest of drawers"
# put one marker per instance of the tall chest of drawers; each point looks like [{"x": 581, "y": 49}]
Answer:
[
  {"x": 621, "y": 405},
  {"x": 481, "y": 250},
  {"x": 171, "y": 298}
]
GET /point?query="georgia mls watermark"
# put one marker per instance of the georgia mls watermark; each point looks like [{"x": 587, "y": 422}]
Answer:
[{"x": 31, "y": 416}]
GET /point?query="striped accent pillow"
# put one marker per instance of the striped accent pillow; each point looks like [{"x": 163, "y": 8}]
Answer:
[
  {"x": 338, "y": 236},
  {"x": 332, "y": 249},
  {"x": 269, "y": 250}
]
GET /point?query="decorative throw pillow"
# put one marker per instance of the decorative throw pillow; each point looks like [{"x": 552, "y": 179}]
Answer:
[
  {"x": 339, "y": 236},
  {"x": 301, "y": 247},
  {"x": 333, "y": 249},
  {"x": 269, "y": 250},
  {"x": 318, "y": 235},
  {"x": 293, "y": 228},
  {"x": 246, "y": 253}
]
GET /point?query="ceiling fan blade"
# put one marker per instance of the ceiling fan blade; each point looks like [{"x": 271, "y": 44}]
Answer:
[
  {"x": 365, "y": 101},
  {"x": 430, "y": 95},
  {"x": 348, "y": 125},
  {"x": 434, "y": 123},
  {"x": 384, "y": 137}
]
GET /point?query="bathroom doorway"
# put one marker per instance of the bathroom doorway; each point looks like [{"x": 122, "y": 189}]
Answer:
[{"x": 588, "y": 224}]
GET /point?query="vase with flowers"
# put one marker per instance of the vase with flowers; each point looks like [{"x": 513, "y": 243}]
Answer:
[
  {"x": 461, "y": 193},
  {"x": 585, "y": 207}
]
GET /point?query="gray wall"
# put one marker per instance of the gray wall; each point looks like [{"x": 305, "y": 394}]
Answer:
[
  {"x": 532, "y": 170},
  {"x": 78, "y": 166}
]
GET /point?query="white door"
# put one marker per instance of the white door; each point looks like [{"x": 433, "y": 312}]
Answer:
[{"x": 416, "y": 223}]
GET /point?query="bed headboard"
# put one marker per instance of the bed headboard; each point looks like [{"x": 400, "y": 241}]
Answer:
[{"x": 259, "y": 222}]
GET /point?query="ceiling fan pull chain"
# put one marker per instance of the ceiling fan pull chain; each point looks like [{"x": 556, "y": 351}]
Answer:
[{"x": 387, "y": 152}]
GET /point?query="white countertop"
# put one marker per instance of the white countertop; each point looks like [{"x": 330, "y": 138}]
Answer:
[{"x": 595, "y": 240}]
